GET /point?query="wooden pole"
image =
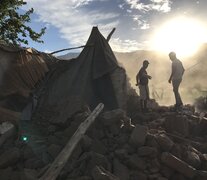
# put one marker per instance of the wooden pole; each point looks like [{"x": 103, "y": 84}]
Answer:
[
  {"x": 67, "y": 49},
  {"x": 110, "y": 34},
  {"x": 60, "y": 161}
]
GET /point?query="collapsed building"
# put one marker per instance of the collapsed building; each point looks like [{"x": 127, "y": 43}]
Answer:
[{"x": 44, "y": 102}]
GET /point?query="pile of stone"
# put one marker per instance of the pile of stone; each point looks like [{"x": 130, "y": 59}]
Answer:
[{"x": 159, "y": 145}]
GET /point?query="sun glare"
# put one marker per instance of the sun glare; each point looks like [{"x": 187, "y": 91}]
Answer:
[{"x": 182, "y": 35}]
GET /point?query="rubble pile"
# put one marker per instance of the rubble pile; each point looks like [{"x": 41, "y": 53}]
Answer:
[
  {"x": 201, "y": 104},
  {"x": 159, "y": 145}
]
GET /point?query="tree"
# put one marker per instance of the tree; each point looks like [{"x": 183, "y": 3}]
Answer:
[{"x": 13, "y": 24}]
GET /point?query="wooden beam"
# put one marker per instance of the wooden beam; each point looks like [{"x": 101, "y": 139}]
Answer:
[
  {"x": 67, "y": 49},
  {"x": 110, "y": 34},
  {"x": 60, "y": 161}
]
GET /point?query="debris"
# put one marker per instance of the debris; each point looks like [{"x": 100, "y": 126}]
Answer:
[
  {"x": 165, "y": 142},
  {"x": 138, "y": 135},
  {"x": 178, "y": 165},
  {"x": 5, "y": 126},
  {"x": 122, "y": 144},
  {"x": 99, "y": 173},
  {"x": 62, "y": 158}
]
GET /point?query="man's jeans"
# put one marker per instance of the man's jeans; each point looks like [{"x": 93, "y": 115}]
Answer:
[{"x": 176, "y": 84}]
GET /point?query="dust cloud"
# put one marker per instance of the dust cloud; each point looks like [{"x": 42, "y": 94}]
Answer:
[{"x": 194, "y": 80}]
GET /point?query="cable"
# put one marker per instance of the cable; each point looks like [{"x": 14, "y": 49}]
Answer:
[{"x": 186, "y": 70}]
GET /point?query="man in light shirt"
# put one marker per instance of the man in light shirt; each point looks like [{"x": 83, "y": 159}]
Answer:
[{"x": 176, "y": 78}]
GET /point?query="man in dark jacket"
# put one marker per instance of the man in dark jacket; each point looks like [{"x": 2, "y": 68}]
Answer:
[{"x": 142, "y": 79}]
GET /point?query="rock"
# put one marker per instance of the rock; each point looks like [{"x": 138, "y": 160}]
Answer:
[
  {"x": 33, "y": 163},
  {"x": 203, "y": 158},
  {"x": 99, "y": 173},
  {"x": 98, "y": 147},
  {"x": 96, "y": 159},
  {"x": 28, "y": 174},
  {"x": 28, "y": 152},
  {"x": 162, "y": 178},
  {"x": 154, "y": 166},
  {"x": 136, "y": 162},
  {"x": 136, "y": 175},
  {"x": 120, "y": 170},
  {"x": 154, "y": 176},
  {"x": 9, "y": 134},
  {"x": 83, "y": 178},
  {"x": 121, "y": 154},
  {"x": 52, "y": 129},
  {"x": 130, "y": 149},
  {"x": 59, "y": 134},
  {"x": 96, "y": 133},
  {"x": 177, "y": 123},
  {"x": 147, "y": 151},
  {"x": 114, "y": 129},
  {"x": 5, "y": 174},
  {"x": 167, "y": 172},
  {"x": 178, "y": 177},
  {"x": 193, "y": 159},
  {"x": 165, "y": 142},
  {"x": 123, "y": 139},
  {"x": 201, "y": 175},
  {"x": 53, "y": 140},
  {"x": 9, "y": 157},
  {"x": 42, "y": 170},
  {"x": 15, "y": 175},
  {"x": 177, "y": 151},
  {"x": 54, "y": 150},
  {"x": 86, "y": 143},
  {"x": 69, "y": 131},
  {"x": 46, "y": 158},
  {"x": 151, "y": 141},
  {"x": 138, "y": 136},
  {"x": 178, "y": 165},
  {"x": 113, "y": 117}
]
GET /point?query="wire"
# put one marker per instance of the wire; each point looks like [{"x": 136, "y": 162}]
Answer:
[{"x": 186, "y": 70}]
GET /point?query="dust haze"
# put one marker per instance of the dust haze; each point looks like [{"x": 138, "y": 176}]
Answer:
[{"x": 194, "y": 80}]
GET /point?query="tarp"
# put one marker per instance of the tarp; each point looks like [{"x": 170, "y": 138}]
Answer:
[{"x": 88, "y": 76}]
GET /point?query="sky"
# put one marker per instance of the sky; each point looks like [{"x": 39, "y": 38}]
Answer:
[{"x": 140, "y": 24}]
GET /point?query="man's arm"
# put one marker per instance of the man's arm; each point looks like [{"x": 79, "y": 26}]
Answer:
[{"x": 146, "y": 76}]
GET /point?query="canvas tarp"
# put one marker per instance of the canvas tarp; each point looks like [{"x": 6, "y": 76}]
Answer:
[{"x": 88, "y": 76}]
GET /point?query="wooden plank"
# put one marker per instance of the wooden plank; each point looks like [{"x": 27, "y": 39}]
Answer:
[
  {"x": 194, "y": 117},
  {"x": 60, "y": 161},
  {"x": 70, "y": 49},
  {"x": 110, "y": 34}
]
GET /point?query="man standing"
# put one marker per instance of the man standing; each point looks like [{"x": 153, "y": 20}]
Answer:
[
  {"x": 176, "y": 78},
  {"x": 142, "y": 81}
]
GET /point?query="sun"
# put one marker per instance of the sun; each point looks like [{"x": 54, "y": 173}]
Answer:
[{"x": 182, "y": 35}]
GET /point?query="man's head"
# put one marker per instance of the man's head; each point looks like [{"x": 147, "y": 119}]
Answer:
[
  {"x": 172, "y": 56},
  {"x": 145, "y": 63}
]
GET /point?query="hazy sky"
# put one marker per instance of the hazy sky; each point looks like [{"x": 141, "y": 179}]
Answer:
[{"x": 69, "y": 22}]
